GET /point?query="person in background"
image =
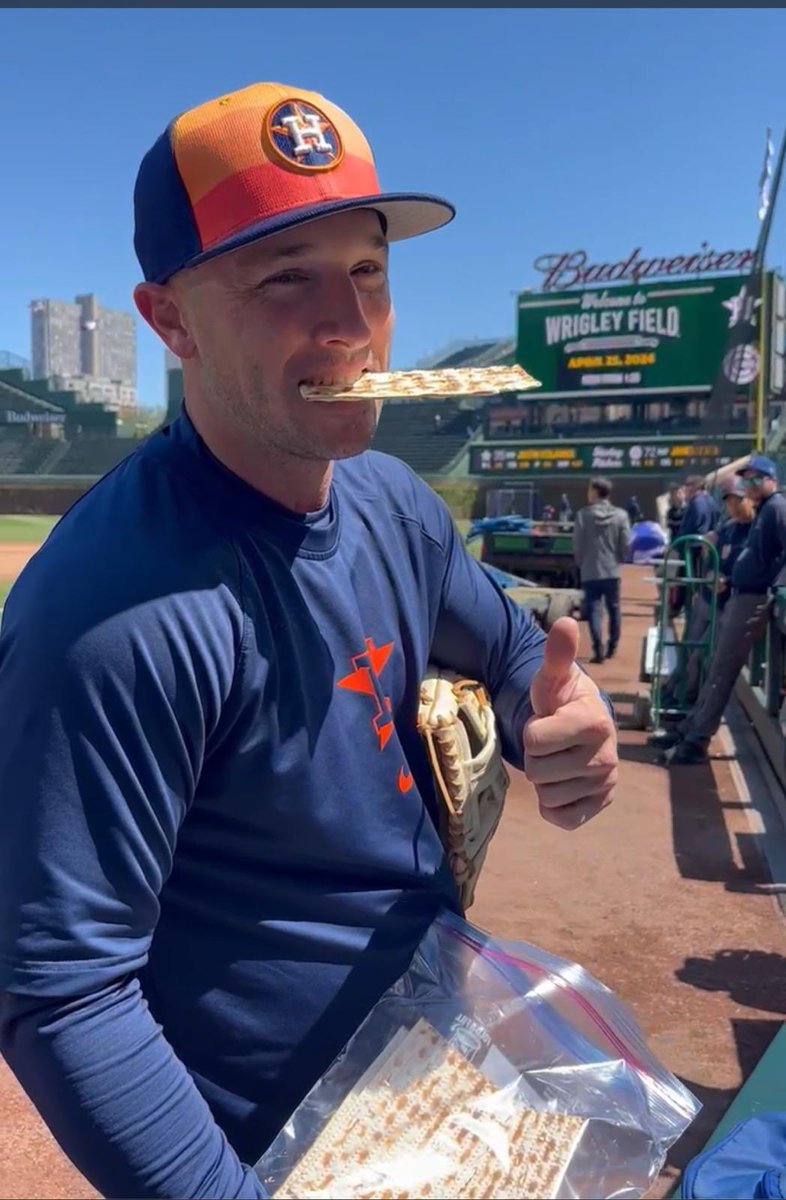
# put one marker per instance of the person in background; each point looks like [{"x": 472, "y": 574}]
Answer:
[
  {"x": 730, "y": 540},
  {"x": 565, "y": 510},
  {"x": 676, "y": 510},
  {"x": 634, "y": 510},
  {"x": 701, "y": 513},
  {"x": 700, "y": 518},
  {"x": 601, "y": 538},
  {"x": 746, "y": 612}
]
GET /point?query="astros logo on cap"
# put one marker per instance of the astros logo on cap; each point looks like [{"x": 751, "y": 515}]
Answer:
[{"x": 303, "y": 136}]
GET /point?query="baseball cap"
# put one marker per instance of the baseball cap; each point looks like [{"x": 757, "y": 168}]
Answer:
[
  {"x": 758, "y": 462},
  {"x": 733, "y": 487},
  {"x": 254, "y": 162}
]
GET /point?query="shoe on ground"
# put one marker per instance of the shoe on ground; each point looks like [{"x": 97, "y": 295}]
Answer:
[
  {"x": 686, "y": 754},
  {"x": 667, "y": 741},
  {"x": 597, "y": 658},
  {"x": 611, "y": 650}
]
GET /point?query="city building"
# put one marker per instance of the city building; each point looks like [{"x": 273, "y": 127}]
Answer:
[
  {"x": 108, "y": 341},
  {"x": 86, "y": 348},
  {"x": 111, "y": 393},
  {"x": 55, "y": 338}
]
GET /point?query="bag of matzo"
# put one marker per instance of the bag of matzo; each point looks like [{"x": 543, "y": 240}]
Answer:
[{"x": 491, "y": 1069}]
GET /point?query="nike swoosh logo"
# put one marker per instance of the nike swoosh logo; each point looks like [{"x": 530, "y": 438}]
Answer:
[{"x": 405, "y": 780}]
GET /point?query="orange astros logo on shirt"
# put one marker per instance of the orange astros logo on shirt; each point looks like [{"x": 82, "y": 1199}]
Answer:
[{"x": 364, "y": 678}]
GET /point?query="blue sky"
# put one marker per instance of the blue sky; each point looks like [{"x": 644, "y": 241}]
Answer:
[{"x": 551, "y": 130}]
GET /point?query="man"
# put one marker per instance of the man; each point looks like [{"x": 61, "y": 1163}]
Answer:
[
  {"x": 565, "y": 510},
  {"x": 746, "y": 612},
  {"x": 700, "y": 518},
  {"x": 729, "y": 540},
  {"x": 601, "y": 538},
  {"x": 634, "y": 511},
  {"x": 701, "y": 513},
  {"x": 218, "y": 837},
  {"x": 675, "y": 511}
]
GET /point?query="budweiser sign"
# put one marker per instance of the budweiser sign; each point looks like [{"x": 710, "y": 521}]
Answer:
[{"x": 573, "y": 269}]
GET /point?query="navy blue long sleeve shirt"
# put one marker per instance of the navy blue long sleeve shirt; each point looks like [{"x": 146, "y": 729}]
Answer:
[
  {"x": 700, "y": 516},
  {"x": 218, "y": 839},
  {"x": 765, "y": 551}
]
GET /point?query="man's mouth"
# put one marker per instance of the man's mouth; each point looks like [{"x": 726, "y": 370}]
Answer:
[{"x": 334, "y": 383}]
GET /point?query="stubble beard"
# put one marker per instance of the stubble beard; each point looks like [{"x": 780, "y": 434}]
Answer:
[{"x": 274, "y": 438}]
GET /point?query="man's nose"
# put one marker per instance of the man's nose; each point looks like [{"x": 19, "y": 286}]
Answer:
[{"x": 343, "y": 322}]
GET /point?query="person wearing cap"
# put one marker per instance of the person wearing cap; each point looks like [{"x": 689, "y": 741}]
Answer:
[
  {"x": 218, "y": 830},
  {"x": 746, "y": 612},
  {"x": 729, "y": 540}
]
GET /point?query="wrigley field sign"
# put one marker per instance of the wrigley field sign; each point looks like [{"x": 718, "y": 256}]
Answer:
[{"x": 647, "y": 338}]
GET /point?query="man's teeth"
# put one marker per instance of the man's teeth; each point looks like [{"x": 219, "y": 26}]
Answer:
[{"x": 338, "y": 384}]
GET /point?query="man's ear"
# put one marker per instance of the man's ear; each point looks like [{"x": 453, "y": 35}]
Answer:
[{"x": 159, "y": 306}]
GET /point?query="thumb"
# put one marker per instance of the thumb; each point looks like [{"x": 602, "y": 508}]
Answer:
[{"x": 555, "y": 680}]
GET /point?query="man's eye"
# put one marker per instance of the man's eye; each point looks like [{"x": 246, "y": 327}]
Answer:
[
  {"x": 284, "y": 277},
  {"x": 370, "y": 273}
]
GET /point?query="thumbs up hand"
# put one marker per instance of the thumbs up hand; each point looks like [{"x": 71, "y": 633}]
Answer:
[{"x": 570, "y": 743}]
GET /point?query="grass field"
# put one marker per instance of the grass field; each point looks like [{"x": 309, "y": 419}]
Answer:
[
  {"x": 20, "y": 531},
  {"x": 25, "y": 529}
]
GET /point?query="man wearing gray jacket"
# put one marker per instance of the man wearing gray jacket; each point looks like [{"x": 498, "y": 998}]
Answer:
[{"x": 601, "y": 537}]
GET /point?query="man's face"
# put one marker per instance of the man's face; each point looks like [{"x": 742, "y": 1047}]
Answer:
[
  {"x": 677, "y": 496},
  {"x": 311, "y": 305},
  {"x": 691, "y": 490},
  {"x": 758, "y": 486}
]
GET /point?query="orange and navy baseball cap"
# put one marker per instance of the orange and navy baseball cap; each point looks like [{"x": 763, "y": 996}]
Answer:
[{"x": 255, "y": 162}]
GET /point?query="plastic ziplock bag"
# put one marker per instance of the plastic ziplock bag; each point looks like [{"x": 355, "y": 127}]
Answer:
[{"x": 489, "y": 1069}]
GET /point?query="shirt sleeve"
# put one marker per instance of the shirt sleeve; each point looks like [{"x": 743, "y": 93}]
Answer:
[
  {"x": 773, "y": 541},
  {"x": 106, "y": 708},
  {"x": 483, "y": 634},
  {"x": 624, "y": 538},
  {"x": 690, "y": 520}
]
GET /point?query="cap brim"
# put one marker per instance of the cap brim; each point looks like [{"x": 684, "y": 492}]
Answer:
[
  {"x": 766, "y": 471},
  {"x": 406, "y": 214}
]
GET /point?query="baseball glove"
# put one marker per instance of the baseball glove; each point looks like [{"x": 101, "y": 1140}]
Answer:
[{"x": 457, "y": 723}]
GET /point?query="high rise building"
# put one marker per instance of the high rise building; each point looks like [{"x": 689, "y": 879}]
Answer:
[
  {"x": 55, "y": 338},
  {"x": 108, "y": 341},
  {"x": 87, "y": 348}
]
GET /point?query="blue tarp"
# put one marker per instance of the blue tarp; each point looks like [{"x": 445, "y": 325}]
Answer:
[
  {"x": 510, "y": 524},
  {"x": 647, "y": 542}
]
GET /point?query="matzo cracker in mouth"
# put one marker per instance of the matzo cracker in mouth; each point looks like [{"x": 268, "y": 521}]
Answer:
[{"x": 452, "y": 381}]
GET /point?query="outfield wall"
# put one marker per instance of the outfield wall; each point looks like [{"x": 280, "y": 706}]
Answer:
[
  {"x": 49, "y": 496},
  {"x": 466, "y": 498}
]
